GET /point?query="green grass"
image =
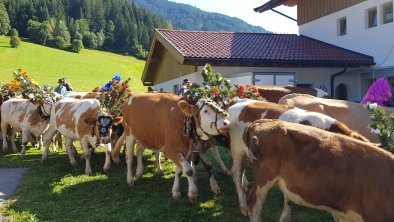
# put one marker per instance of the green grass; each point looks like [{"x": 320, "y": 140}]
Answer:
[
  {"x": 56, "y": 191},
  {"x": 84, "y": 70}
]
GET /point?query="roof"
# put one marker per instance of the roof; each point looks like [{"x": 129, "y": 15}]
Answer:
[
  {"x": 275, "y": 3},
  {"x": 263, "y": 48}
]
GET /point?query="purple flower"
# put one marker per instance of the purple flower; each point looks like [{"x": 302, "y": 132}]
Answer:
[{"x": 379, "y": 93}]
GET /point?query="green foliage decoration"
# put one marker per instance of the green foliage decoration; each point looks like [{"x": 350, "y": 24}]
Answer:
[
  {"x": 382, "y": 125},
  {"x": 111, "y": 100}
]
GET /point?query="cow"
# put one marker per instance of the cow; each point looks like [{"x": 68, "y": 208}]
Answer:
[
  {"x": 354, "y": 115},
  {"x": 23, "y": 115},
  {"x": 81, "y": 120},
  {"x": 243, "y": 112},
  {"x": 156, "y": 120},
  {"x": 275, "y": 93},
  {"x": 83, "y": 95},
  {"x": 350, "y": 179}
]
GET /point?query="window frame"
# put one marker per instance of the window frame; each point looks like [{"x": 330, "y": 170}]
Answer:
[
  {"x": 372, "y": 13},
  {"x": 387, "y": 5},
  {"x": 342, "y": 30}
]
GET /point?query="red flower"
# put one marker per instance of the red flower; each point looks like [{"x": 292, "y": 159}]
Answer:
[
  {"x": 215, "y": 92},
  {"x": 245, "y": 96},
  {"x": 258, "y": 94},
  {"x": 129, "y": 95},
  {"x": 124, "y": 87},
  {"x": 255, "y": 89},
  {"x": 241, "y": 89},
  {"x": 123, "y": 100}
]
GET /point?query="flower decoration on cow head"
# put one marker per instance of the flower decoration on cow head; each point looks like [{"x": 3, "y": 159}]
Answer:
[
  {"x": 247, "y": 92},
  {"x": 114, "y": 96},
  {"x": 30, "y": 89},
  {"x": 9, "y": 90}
]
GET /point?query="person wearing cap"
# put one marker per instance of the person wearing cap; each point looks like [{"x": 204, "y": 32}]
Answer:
[
  {"x": 67, "y": 85},
  {"x": 60, "y": 89},
  {"x": 185, "y": 84}
]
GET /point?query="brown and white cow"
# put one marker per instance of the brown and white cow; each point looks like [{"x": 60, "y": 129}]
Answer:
[
  {"x": 23, "y": 115},
  {"x": 246, "y": 111},
  {"x": 350, "y": 179},
  {"x": 156, "y": 121},
  {"x": 354, "y": 115},
  {"x": 275, "y": 93},
  {"x": 81, "y": 120}
]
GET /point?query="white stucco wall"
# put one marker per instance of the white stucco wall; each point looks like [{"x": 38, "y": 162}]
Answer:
[
  {"x": 318, "y": 77},
  {"x": 377, "y": 41}
]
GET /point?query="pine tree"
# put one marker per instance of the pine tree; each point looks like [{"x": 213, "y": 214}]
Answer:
[{"x": 4, "y": 20}]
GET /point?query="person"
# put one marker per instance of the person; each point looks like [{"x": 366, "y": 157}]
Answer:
[
  {"x": 185, "y": 84},
  {"x": 61, "y": 89},
  {"x": 67, "y": 85},
  {"x": 151, "y": 89}
]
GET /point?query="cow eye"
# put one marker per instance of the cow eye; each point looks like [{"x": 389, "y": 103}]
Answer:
[{"x": 205, "y": 111}]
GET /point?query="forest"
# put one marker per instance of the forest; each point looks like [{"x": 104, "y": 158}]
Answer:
[{"x": 110, "y": 25}]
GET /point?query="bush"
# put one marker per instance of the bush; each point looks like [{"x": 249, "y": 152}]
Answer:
[
  {"x": 76, "y": 45},
  {"x": 60, "y": 42},
  {"x": 14, "y": 32},
  {"x": 382, "y": 125},
  {"x": 15, "y": 41}
]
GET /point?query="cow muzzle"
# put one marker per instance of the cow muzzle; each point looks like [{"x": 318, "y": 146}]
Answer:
[{"x": 105, "y": 140}]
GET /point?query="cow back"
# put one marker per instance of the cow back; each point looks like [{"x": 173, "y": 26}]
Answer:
[{"x": 275, "y": 93}]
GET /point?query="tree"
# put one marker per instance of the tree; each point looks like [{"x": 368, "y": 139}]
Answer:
[
  {"x": 61, "y": 35},
  {"x": 4, "y": 20},
  {"x": 90, "y": 40},
  {"x": 15, "y": 41},
  {"x": 76, "y": 45},
  {"x": 13, "y": 32}
]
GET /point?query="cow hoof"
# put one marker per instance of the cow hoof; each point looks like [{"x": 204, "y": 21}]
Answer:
[
  {"x": 244, "y": 212},
  {"x": 89, "y": 173},
  {"x": 106, "y": 170},
  {"x": 22, "y": 155},
  {"x": 216, "y": 190},
  {"x": 43, "y": 159},
  {"x": 176, "y": 195},
  {"x": 73, "y": 162},
  {"x": 116, "y": 160},
  {"x": 131, "y": 183},
  {"x": 192, "y": 199}
]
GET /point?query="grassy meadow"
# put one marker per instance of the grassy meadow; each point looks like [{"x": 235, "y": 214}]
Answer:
[
  {"x": 84, "y": 70},
  {"x": 56, "y": 191}
]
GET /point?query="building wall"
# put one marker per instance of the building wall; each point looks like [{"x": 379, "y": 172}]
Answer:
[
  {"x": 377, "y": 41},
  {"x": 309, "y": 10},
  {"x": 317, "y": 77}
]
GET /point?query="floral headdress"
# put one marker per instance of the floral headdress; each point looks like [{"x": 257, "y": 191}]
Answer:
[
  {"x": 114, "y": 96},
  {"x": 9, "y": 90},
  {"x": 30, "y": 89},
  {"x": 247, "y": 92}
]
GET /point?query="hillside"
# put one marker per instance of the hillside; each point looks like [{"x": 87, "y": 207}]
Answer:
[
  {"x": 187, "y": 17},
  {"x": 84, "y": 70}
]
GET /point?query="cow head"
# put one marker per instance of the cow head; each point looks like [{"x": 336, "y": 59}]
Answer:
[
  {"x": 210, "y": 118},
  {"x": 103, "y": 127}
]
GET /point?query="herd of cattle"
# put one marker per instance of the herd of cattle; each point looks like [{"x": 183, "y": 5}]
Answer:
[{"x": 318, "y": 151}]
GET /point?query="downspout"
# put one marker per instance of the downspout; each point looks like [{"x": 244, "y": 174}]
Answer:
[{"x": 333, "y": 79}]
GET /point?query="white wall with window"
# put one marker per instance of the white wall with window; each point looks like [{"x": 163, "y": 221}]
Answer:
[{"x": 369, "y": 30}]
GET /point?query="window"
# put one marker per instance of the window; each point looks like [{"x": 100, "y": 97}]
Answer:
[
  {"x": 342, "y": 28},
  {"x": 175, "y": 88},
  {"x": 372, "y": 17},
  {"x": 387, "y": 13},
  {"x": 273, "y": 78},
  {"x": 161, "y": 90}
]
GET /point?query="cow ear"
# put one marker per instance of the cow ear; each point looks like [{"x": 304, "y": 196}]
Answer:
[
  {"x": 90, "y": 121},
  {"x": 187, "y": 108},
  {"x": 117, "y": 120}
]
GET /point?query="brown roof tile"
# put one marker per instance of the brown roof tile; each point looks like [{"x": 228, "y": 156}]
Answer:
[{"x": 264, "y": 48}]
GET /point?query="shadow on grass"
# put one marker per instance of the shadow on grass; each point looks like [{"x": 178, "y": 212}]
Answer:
[{"x": 56, "y": 191}]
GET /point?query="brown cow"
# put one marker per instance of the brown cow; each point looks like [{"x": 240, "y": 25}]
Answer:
[
  {"x": 352, "y": 114},
  {"x": 23, "y": 115},
  {"x": 275, "y": 93},
  {"x": 350, "y": 179},
  {"x": 81, "y": 120},
  {"x": 245, "y": 111},
  {"x": 155, "y": 120}
]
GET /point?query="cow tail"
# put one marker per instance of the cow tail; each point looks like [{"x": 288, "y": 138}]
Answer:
[
  {"x": 341, "y": 128},
  {"x": 116, "y": 150},
  {"x": 251, "y": 143}
]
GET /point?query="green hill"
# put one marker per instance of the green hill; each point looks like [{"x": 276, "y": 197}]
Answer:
[
  {"x": 84, "y": 70},
  {"x": 184, "y": 16}
]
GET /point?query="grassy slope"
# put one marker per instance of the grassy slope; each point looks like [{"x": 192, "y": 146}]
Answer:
[
  {"x": 55, "y": 191},
  {"x": 84, "y": 70}
]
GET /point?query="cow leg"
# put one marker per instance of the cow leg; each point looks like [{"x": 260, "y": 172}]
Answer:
[
  {"x": 87, "y": 155},
  {"x": 70, "y": 151},
  {"x": 195, "y": 161},
  {"x": 107, "y": 163},
  {"x": 159, "y": 170},
  {"x": 25, "y": 139},
  {"x": 13, "y": 145},
  {"x": 4, "y": 127},
  {"x": 208, "y": 167},
  {"x": 215, "y": 152},
  {"x": 256, "y": 200},
  {"x": 48, "y": 135},
  {"x": 188, "y": 171},
  {"x": 130, "y": 141},
  {"x": 286, "y": 212},
  {"x": 140, "y": 163},
  {"x": 175, "y": 187},
  {"x": 245, "y": 182},
  {"x": 236, "y": 170}
]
